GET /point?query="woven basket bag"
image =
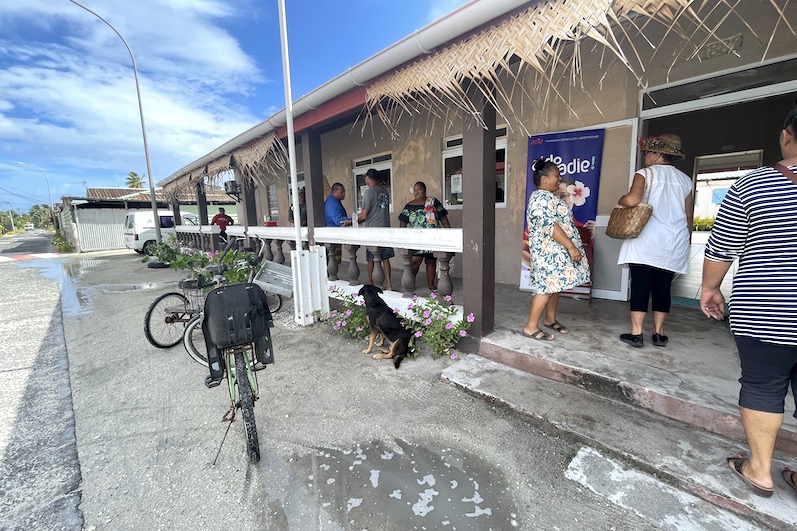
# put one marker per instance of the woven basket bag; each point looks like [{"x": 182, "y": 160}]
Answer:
[{"x": 626, "y": 223}]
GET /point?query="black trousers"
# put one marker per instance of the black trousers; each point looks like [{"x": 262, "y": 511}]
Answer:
[{"x": 649, "y": 282}]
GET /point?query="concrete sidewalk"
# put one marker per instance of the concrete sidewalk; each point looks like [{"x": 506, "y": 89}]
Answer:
[
  {"x": 688, "y": 458},
  {"x": 674, "y": 410}
]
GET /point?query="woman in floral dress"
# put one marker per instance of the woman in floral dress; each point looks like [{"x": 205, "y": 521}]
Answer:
[
  {"x": 423, "y": 213},
  {"x": 558, "y": 262}
]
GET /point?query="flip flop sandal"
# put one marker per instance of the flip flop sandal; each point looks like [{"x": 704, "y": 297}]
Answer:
[
  {"x": 736, "y": 464},
  {"x": 539, "y": 335},
  {"x": 788, "y": 476},
  {"x": 557, "y": 327}
]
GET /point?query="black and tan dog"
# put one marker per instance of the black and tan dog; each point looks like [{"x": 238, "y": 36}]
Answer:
[{"x": 385, "y": 323}]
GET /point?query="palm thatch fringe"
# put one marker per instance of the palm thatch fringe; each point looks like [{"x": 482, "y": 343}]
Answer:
[
  {"x": 255, "y": 161},
  {"x": 547, "y": 39},
  {"x": 262, "y": 160}
]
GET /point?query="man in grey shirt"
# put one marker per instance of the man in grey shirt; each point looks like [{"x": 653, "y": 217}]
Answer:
[{"x": 376, "y": 213}]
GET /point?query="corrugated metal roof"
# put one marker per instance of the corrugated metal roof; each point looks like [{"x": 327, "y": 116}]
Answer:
[{"x": 138, "y": 194}]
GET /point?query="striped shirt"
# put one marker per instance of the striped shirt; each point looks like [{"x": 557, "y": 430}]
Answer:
[{"x": 757, "y": 223}]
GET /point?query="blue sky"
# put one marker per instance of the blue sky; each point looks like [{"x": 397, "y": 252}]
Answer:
[{"x": 208, "y": 70}]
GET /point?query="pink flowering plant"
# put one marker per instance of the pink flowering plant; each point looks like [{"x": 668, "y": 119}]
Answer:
[
  {"x": 350, "y": 319},
  {"x": 431, "y": 320}
]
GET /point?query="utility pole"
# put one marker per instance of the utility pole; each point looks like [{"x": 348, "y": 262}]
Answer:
[{"x": 10, "y": 215}]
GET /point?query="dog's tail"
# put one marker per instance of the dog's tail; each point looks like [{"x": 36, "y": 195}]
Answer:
[{"x": 401, "y": 353}]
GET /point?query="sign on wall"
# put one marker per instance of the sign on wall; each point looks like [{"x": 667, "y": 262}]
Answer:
[{"x": 578, "y": 156}]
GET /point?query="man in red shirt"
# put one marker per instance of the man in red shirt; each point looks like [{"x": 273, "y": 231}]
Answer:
[{"x": 222, "y": 220}]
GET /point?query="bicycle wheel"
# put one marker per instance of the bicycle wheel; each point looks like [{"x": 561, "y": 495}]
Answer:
[
  {"x": 274, "y": 302},
  {"x": 165, "y": 321},
  {"x": 194, "y": 341},
  {"x": 246, "y": 402}
]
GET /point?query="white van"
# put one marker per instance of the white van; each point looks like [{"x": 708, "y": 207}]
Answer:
[
  {"x": 140, "y": 227},
  {"x": 29, "y": 226}
]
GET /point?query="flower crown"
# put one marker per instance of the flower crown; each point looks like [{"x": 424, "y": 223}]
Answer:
[{"x": 652, "y": 142}]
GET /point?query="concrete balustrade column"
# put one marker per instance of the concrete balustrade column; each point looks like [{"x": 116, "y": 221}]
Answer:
[
  {"x": 444, "y": 284},
  {"x": 332, "y": 263},
  {"x": 407, "y": 278},
  {"x": 267, "y": 254},
  {"x": 379, "y": 272},
  {"x": 354, "y": 268},
  {"x": 214, "y": 244},
  {"x": 279, "y": 256}
]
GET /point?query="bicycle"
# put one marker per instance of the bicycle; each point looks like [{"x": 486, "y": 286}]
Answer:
[
  {"x": 168, "y": 317},
  {"x": 235, "y": 324},
  {"x": 193, "y": 337},
  {"x": 236, "y": 328}
]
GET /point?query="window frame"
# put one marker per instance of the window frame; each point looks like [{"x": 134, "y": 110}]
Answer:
[
  {"x": 452, "y": 147},
  {"x": 379, "y": 162}
]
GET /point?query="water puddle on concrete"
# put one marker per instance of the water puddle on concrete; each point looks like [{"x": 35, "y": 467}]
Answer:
[
  {"x": 399, "y": 486},
  {"x": 62, "y": 273}
]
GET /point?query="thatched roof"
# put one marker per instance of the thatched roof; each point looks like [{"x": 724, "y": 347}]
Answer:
[{"x": 547, "y": 39}]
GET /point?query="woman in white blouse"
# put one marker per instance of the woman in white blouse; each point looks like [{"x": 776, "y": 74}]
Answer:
[{"x": 662, "y": 248}]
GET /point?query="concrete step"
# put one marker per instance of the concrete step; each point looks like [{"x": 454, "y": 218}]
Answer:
[
  {"x": 681, "y": 382},
  {"x": 680, "y": 455}
]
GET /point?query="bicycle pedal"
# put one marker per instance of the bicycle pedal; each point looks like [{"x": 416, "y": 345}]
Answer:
[{"x": 212, "y": 382}]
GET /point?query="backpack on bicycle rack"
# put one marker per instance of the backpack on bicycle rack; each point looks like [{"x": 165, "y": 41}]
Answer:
[{"x": 237, "y": 314}]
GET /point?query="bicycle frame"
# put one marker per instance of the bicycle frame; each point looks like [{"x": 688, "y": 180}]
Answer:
[{"x": 232, "y": 376}]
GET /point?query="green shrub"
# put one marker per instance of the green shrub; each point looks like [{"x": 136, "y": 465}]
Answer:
[
  {"x": 61, "y": 245},
  {"x": 237, "y": 263},
  {"x": 703, "y": 224}
]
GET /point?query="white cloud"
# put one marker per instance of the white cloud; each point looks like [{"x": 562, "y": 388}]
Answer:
[
  {"x": 438, "y": 8},
  {"x": 68, "y": 89}
]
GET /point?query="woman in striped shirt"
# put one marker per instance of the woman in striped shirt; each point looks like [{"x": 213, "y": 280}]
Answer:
[{"x": 757, "y": 224}]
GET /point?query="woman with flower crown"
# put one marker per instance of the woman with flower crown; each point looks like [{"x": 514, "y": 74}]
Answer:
[{"x": 662, "y": 248}]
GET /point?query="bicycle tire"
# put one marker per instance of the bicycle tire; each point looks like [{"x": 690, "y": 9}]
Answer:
[
  {"x": 246, "y": 401},
  {"x": 194, "y": 341},
  {"x": 164, "y": 327},
  {"x": 274, "y": 302}
]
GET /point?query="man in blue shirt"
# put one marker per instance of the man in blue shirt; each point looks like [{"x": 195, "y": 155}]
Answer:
[
  {"x": 333, "y": 208},
  {"x": 336, "y": 214}
]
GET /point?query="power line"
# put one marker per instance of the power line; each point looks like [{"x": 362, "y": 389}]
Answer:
[{"x": 28, "y": 198}]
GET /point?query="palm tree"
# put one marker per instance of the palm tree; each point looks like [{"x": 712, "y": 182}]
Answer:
[{"x": 134, "y": 180}]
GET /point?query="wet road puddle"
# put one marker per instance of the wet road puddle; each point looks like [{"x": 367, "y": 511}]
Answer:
[
  {"x": 74, "y": 301},
  {"x": 397, "y": 485}
]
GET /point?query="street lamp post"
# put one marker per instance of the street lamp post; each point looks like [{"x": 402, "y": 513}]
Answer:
[
  {"x": 141, "y": 115},
  {"x": 49, "y": 195}
]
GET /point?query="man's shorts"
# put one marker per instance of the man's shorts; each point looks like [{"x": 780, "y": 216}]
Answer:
[{"x": 387, "y": 252}]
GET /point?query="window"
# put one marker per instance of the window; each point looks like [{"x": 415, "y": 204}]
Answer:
[
  {"x": 300, "y": 184},
  {"x": 717, "y": 195},
  {"x": 383, "y": 164},
  {"x": 452, "y": 170},
  {"x": 167, "y": 222},
  {"x": 273, "y": 203}
]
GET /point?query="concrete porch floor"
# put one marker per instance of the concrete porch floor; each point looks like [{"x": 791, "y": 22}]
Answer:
[{"x": 693, "y": 380}]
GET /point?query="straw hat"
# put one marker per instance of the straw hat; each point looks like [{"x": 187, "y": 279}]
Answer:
[{"x": 667, "y": 143}]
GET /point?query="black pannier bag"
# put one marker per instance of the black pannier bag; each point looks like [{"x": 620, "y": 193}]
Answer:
[{"x": 235, "y": 315}]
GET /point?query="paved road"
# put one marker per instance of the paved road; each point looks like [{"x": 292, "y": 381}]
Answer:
[
  {"x": 39, "y": 470},
  {"x": 347, "y": 442}
]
